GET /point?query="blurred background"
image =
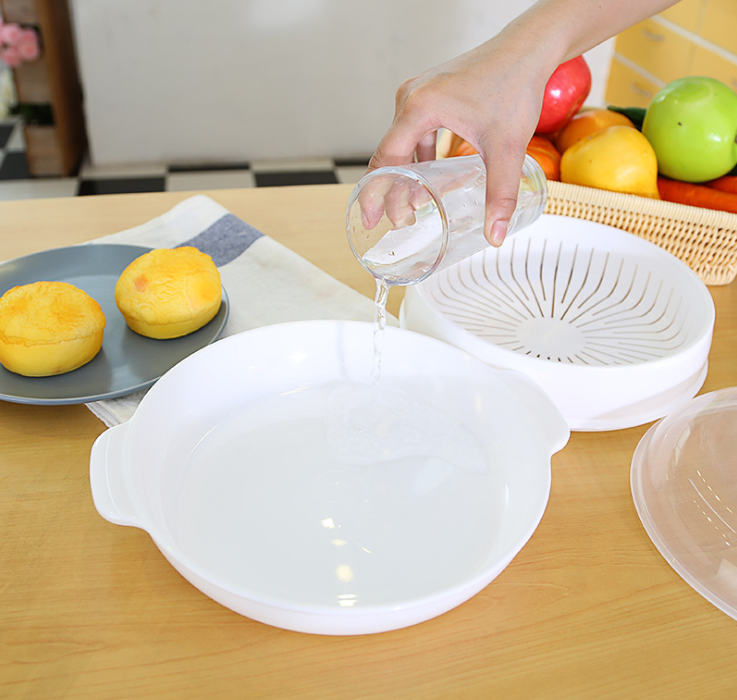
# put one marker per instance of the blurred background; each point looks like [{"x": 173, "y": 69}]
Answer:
[
  {"x": 243, "y": 79},
  {"x": 181, "y": 84}
]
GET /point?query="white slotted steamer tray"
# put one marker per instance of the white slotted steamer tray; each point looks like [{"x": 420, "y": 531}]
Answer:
[{"x": 615, "y": 329}]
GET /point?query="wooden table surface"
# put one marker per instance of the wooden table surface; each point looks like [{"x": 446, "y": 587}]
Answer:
[{"x": 588, "y": 610}]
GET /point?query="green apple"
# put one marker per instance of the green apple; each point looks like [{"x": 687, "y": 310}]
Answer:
[{"x": 692, "y": 126}]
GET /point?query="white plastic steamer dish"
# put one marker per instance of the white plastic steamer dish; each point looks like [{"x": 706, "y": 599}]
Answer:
[
  {"x": 291, "y": 479},
  {"x": 684, "y": 485},
  {"x": 613, "y": 328}
]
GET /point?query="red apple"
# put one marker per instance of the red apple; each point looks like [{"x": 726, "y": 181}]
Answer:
[{"x": 565, "y": 93}]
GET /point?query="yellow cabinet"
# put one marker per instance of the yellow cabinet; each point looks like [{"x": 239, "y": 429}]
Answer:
[
  {"x": 693, "y": 37},
  {"x": 715, "y": 66},
  {"x": 720, "y": 24},
  {"x": 687, "y": 14},
  {"x": 665, "y": 54},
  {"x": 627, "y": 88}
]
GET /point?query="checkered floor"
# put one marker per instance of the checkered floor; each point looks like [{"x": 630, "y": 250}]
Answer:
[{"x": 16, "y": 182}]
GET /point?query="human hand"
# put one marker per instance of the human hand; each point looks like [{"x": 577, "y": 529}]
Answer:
[{"x": 491, "y": 97}]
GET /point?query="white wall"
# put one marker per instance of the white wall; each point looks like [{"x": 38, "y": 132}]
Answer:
[{"x": 233, "y": 80}]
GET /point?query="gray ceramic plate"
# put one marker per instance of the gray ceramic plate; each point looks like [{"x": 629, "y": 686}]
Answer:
[{"x": 128, "y": 361}]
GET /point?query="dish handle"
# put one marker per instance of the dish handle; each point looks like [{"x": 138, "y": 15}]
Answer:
[
  {"x": 107, "y": 478},
  {"x": 551, "y": 425}
]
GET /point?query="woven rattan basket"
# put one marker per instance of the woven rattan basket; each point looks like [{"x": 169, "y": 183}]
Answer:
[{"x": 704, "y": 239}]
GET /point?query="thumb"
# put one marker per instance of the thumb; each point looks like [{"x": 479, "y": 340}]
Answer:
[{"x": 502, "y": 189}]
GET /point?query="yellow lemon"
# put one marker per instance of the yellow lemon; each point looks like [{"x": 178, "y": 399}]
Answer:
[{"x": 618, "y": 158}]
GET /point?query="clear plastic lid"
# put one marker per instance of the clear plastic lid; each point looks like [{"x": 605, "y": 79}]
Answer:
[{"x": 684, "y": 484}]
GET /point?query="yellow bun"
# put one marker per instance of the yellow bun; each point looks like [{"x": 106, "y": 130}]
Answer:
[
  {"x": 48, "y": 328},
  {"x": 169, "y": 292}
]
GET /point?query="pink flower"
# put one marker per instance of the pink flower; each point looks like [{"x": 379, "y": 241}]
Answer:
[
  {"x": 27, "y": 45},
  {"x": 17, "y": 44},
  {"x": 10, "y": 33},
  {"x": 10, "y": 55}
]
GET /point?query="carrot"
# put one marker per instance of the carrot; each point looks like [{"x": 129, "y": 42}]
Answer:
[
  {"x": 696, "y": 195},
  {"x": 727, "y": 183}
]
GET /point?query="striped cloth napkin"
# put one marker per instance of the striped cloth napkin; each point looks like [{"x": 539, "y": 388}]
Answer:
[{"x": 266, "y": 283}]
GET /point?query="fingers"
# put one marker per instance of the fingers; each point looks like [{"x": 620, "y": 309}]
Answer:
[
  {"x": 394, "y": 195},
  {"x": 398, "y": 203},
  {"x": 371, "y": 201},
  {"x": 501, "y": 200},
  {"x": 395, "y": 148},
  {"x": 503, "y": 172},
  {"x": 414, "y": 129},
  {"x": 498, "y": 232},
  {"x": 410, "y": 136},
  {"x": 425, "y": 149},
  {"x": 484, "y": 96}
]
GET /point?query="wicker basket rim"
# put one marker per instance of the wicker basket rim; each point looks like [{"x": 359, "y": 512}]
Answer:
[{"x": 635, "y": 204}]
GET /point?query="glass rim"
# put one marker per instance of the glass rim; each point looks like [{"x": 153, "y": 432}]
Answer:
[{"x": 404, "y": 171}]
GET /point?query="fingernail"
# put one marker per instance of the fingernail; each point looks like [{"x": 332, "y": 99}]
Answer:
[{"x": 498, "y": 233}]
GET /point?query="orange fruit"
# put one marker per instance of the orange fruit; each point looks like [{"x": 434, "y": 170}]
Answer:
[
  {"x": 547, "y": 155},
  {"x": 588, "y": 122},
  {"x": 464, "y": 149},
  {"x": 540, "y": 148}
]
